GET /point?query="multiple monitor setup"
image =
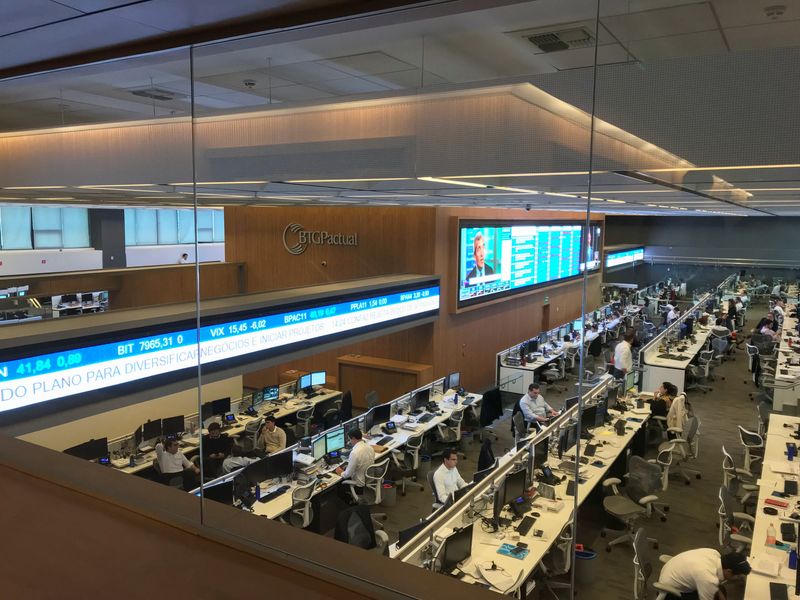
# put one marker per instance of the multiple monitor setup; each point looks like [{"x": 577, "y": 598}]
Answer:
[
  {"x": 217, "y": 408},
  {"x": 91, "y": 450}
]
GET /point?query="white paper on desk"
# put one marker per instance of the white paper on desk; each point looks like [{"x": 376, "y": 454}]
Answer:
[
  {"x": 497, "y": 579},
  {"x": 784, "y": 467},
  {"x": 641, "y": 411},
  {"x": 766, "y": 565}
]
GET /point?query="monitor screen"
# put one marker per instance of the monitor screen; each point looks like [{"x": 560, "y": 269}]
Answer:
[
  {"x": 256, "y": 472},
  {"x": 172, "y": 426},
  {"x": 270, "y": 393},
  {"x": 562, "y": 333},
  {"x": 593, "y": 244},
  {"x": 319, "y": 447},
  {"x": 407, "y": 534},
  {"x": 137, "y": 436},
  {"x": 381, "y": 413},
  {"x": 206, "y": 412},
  {"x": 625, "y": 257},
  {"x": 457, "y": 548},
  {"x": 334, "y": 440},
  {"x": 454, "y": 381},
  {"x": 280, "y": 464},
  {"x": 258, "y": 398},
  {"x": 305, "y": 381},
  {"x": 437, "y": 387},
  {"x": 480, "y": 475},
  {"x": 540, "y": 451},
  {"x": 502, "y": 258},
  {"x": 318, "y": 378},
  {"x": 630, "y": 380},
  {"x": 369, "y": 420},
  {"x": 514, "y": 485},
  {"x": 570, "y": 402},
  {"x": 609, "y": 311},
  {"x": 600, "y": 413},
  {"x": 421, "y": 397},
  {"x": 461, "y": 492},
  {"x": 221, "y": 406},
  {"x": 588, "y": 418},
  {"x": 91, "y": 450},
  {"x": 567, "y": 439},
  {"x": 151, "y": 430},
  {"x": 220, "y": 492}
]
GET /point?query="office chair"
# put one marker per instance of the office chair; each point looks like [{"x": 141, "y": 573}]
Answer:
[
  {"x": 371, "y": 399},
  {"x": 354, "y": 526},
  {"x": 764, "y": 409},
  {"x": 406, "y": 462},
  {"x": 291, "y": 437},
  {"x": 558, "y": 560},
  {"x": 733, "y": 522},
  {"x": 752, "y": 356},
  {"x": 740, "y": 482},
  {"x": 174, "y": 480},
  {"x": 373, "y": 487},
  {"x": 304, "y": 418},
  {"x": 638, "y": 502},
  {"x": 346, "y": 407},
  {"x": 555, "y": 372},
  {"x": 249, "y": 440},
  {"x": 449, "y": 432},
  {"x": 753, "y": 448},
  {"x": 491, "y": 410},
  {"x": 519, "y": 427},
  {"x": 436, "y": 503},
  {"x": 301, "y": 512},
  {"x": 643, "y": 569}
]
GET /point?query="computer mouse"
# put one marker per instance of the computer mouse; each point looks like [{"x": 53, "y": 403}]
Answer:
[{"x": 535, "y": 514}]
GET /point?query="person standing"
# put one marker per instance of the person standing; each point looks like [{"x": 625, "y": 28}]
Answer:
[{"x": 623, "y": 357}]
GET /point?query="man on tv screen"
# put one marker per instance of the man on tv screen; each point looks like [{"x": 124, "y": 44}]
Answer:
[{"x": 479, "y": 253}]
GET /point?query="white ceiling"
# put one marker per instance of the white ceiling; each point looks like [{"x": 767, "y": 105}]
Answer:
[{"x": 714, "y": 82}]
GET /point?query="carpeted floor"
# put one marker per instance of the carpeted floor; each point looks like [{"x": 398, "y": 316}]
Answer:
[{"x": 692, "y": 519}]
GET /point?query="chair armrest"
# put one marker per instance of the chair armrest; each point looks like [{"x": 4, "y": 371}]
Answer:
[
  {"x": 611, "y": 481},
  {"x": 664, "y": 558},
  {"x": 675, "y": 429},
  {"x": 743, "y": 517},
  {"x": 740, "y": 471},
  {"x": 659, "y": 418},
  {"x": 738, "y": 537},
  {"x": 645, "y": 500}
]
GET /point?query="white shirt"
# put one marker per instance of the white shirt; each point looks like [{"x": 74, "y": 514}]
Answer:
[
  {"x": 778, "y": 310},
  {"x": 171, "y": 463},
  {"x": 776, "y": 291},
  {"x": 623, "y": 360},
  {"x": 591, "y": 335},
  {"x": 362, "y": 457},
  {"x": 230, "y": 464},
  {"x": 446, "y": 481},
  {"x": 671, "y": 316},
  {"x": 697, "y": 570},
  {"x": 534, "y": 407}
]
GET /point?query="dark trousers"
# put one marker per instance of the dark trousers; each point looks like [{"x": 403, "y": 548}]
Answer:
[
  {"x": 617, "y": 373},
  {"x": 684, "y": 596}
]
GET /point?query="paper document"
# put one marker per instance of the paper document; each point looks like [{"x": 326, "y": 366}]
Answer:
[
  {"x": 766, "y": 566},
  {"x": 792, "y": 468}
]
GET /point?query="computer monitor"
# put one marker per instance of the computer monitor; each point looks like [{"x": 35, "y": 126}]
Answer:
[
  {"x": 258, "y": 398},
  {"x": 381, "y": 413},
  {"x": 256, "y": 472},
  {"x": 533, "y": 345},
  {"x": 137, "y": 436},
  {"x": 404, "y": 536},
  {"x": 421, "y": 397},
  {"x": 319, "y": 447},
  {"x": 460, "y": 493},
  {"x": 609, "y": 311},
  {"x": 562, "y": 333},
  {"x": 280, "y": 464},
  {"x": 540, "y": 451},
  {"x": 484, "y": 473},
  {"x": 334, "y": 440},
  {"x": 318, "y": 378},
  {"x": 567, "y": 439},
  {"x": 270, "y": 393},
  {"x": 438, "y": 386},
  {"x": 172, "y": 426},
  {"x": 457, "y": 548},
  {"x": 600, "y": 413},
  {"x": 577, "y": 324},
  {"x": 151, "y": 430},
  {"x": 220, "y": 492},
  {"x": 91, "y": 450},
  {"x": 514, "y": 485},
  {"x": 598, "y": 316},
  {"x": 369, "y": 420},
  {"x": 221, "y": 406},
  {"x": 206, "y": 411},
  {"x": 304, "y": 382},
  {"x": 570, "y": 402},
  {"x": 630, "y": 380},
  {"x": 588, "y": 418},
  {"x": 454, "y": 381}
]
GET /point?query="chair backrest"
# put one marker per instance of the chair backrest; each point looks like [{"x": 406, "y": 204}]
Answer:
[
  {"x": 491, "y": 406},
  {"x": 303, "y": 493},
  {"x": 291, "y": 437},
  {"x": 413, "y": 445},
  {"x": 519, "y": 425},
  {"x": 641, "y": 557},
  {"x": 728, "y": 504},
  {"x": 252, "y": 429},
  {"x": 433, "y": 487},
  {"x": 354, "y": 526},
  {"x": 750, "y": 438},
  {"x": 486, "y": 455},
  {"x": 644, "y": 478},
  {"x": 373, "y": 478},
  {"x": 347, "y": 406},
  {"x": 371, "y": 398},
  {"x": 691, "y": 429}
]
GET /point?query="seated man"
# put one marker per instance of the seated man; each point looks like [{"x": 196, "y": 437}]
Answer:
[
  {"x": 533, "y": 406},
  {"x": 447, "y": 479},
  {"x": 271, "y": 438},
  {"x": 171, "y": 461},
  {"x": 236, "y": 460},
  {"x": 698, "y": 573},
  {"x": 216, "y": 446},
  {"x": 361, "y": 458}
]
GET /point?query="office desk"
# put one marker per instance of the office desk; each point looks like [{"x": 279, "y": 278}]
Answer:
[
  {"x": 485, "y": 544},
  {"x": 786, "y": 384},
  {"x": 280, "y": 505},
  {"x": 519, "y": 377},
  {"x": 191, "y": 443},
  {"x": 774, "y": 453},
  {"x": 657, "y": 370}
]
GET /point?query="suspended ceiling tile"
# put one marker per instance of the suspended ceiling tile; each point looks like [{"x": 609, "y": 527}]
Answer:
[
  {"x": 778, "y": 34},
  {"x": 350, "y": 85},
  {"x": 662, "y": 22},
  {"x": 410, "y": 79},
  {"x": 307, "y": 72},
  {"x": 747, "y": 12},
  {"x": 678, "y": 46},
  {"x": 299, "y": 93},
  {"x": 173, "y": 15},
  {"x": 17, "y": 16},
  {"x": 93, "y": 5},
  {"x": 584, "y": 57},
  {"x": 367, "y": 63}
]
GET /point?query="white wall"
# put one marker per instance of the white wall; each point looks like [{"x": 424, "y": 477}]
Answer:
[
  {"x": 123, "y": 421},
  {"x": 147, "y": 256},
  {"x": 28, "y": 262}
]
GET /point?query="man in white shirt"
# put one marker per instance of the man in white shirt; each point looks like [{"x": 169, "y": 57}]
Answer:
[
  {"x": 533, "y": 406},
  {"x": 779, "y": 312},
  {"x": 362, "y": 457},
  {"x": 698, "y": 573},
  {"x": 776, "y": 291},
  {"x": 673, "y": 314},
  {"x": 236, "y": 460},
  {"x": 171, "y": 461},
  {"x": 592, "y": 334},
  {"x": 447, "y": 479},
  {"x": 623, "y": 359}
]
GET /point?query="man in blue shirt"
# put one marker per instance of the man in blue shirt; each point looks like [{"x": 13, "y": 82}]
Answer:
[{"x": 533, "y": 406}]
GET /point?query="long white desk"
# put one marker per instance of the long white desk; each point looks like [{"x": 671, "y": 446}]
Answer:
[
  {"x": 787, "y": 376},
  {"x": 774, "y": 454}
]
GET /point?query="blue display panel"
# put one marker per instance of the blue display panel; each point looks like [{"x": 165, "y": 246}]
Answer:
[
  {"x": 499, "y": 259},
  {"x": 87, "y": 368},
  {"x": 625, "y": 257}
]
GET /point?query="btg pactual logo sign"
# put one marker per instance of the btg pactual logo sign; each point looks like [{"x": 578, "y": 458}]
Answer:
[{"x": 296, "y": 238}]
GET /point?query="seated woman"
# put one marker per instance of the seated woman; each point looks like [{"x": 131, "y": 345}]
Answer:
[{"x": 662, "y": 399}]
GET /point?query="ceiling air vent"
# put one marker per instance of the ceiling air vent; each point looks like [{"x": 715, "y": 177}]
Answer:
[
  {"x": 553, "y": 41},
  {"x": 158, "y": 94}
]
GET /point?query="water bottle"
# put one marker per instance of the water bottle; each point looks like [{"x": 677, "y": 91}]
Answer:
[
  {"x": 771, "y": 535},
  {"x": 791, "y": 449},
  {"x": 258, "y": 497},
  {"x": 793, "y": 559}
]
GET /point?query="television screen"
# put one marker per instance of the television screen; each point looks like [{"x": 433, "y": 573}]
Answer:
[
  {"x": 593, "y": 244},
  {"x": 624, "y": 257},
  {"x": 497, "y": 259}
]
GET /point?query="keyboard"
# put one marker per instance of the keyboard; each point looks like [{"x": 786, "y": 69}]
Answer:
[
  {"x": 525, "y": 525},
  {"x": 425, "y": 418},
  {"x": 567, "y": 466},
  {"x": 274, "y": 494},
  {"x": 313, "y": 395},
  {"x": 469, "y": 400},
  {"x": 387, "y": 439}
]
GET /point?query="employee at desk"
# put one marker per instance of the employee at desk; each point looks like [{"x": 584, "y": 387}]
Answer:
[
  {"x": 171, "y": 461},
  {"x": 447, "y": 479},
  {"x": 533, "y": 406},
  {"x": 362, "y": 457},
  {"x": 272, "y": 438},
  {"x": 216, "y": 446}
]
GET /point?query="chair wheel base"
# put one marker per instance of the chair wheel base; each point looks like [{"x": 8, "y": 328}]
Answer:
[
  {"x": 698, "y": 476},
  {"x": 663, "y": 519},
  {"x": 688, "y": 483},
  {"x": 655, "y": 546},
  {"x": 608, "y": 548},
  {"x": 666, "y": 509}
]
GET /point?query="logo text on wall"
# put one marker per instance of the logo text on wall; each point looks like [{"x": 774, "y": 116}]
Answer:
[{"x": 296, "y": 238}]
